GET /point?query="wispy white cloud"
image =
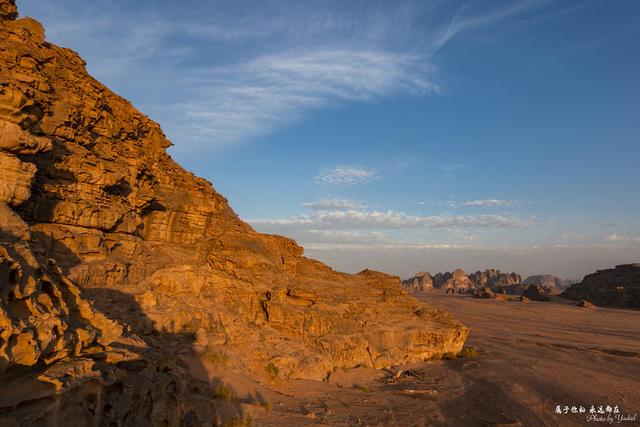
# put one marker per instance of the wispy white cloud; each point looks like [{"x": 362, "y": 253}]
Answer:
[
  {"x": 479, "y": 203},
  {"x": 378, "y": 246},
  {"x": 241, "y": 71},
  {"x": 333, "y": 203},
  {"x": 619, "y": 238},
  {"x": 358, "y": 219},
  {"x": 490, "y": 203},
  {"x": 345, "y": 175},
  {"x": 465, "y": 20},
  {"x": 260, "y": 95}
]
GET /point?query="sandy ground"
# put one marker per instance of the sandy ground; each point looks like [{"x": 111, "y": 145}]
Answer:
[{"x": 532, "y": 357}]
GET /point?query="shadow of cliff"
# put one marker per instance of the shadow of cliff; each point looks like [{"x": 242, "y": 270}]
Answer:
[
  {"x": 162, "y": 350},
  {"x": 41, "y": 205},
  {"x": 152, "y": 383}
]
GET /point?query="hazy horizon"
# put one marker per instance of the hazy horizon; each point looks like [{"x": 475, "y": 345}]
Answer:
[{"x": 398, "y": 136}]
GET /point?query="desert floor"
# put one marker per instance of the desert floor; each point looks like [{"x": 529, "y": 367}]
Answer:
[{"x": 531, "y": 358}]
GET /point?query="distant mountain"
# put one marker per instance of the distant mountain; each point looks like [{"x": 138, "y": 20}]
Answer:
[
  {"x": 459, "y": 282},
  {"x": 511, "y": 283},
  {"x": 495, "y": 279}
]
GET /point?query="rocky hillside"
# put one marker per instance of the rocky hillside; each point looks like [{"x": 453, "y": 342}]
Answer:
[
  {"x": 614, "y": 287},
  {"x": 105, "y": 239}
]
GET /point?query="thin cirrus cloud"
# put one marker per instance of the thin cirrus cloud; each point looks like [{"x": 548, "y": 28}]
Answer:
[
  {"x": 619, "y": 238},
  {"x": 270, "y": 91},
  {"x": 359, "y": 219},
  {"x": 490, "y": 203},
  {"x": 345, "y": 175},
  {"x": 240, "y": 70},
  {"x": 333, "y": 203}
]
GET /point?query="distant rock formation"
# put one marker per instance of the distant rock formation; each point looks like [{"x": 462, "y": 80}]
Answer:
[
  {"x": 614, "y": 287},
  {"x": 419, "y": 283},
  {"x": 488, "y": 293},
  {"x": 144, "y": 255},
  {"x": 495, "y": 279},
  {"x": 537, "y": 293},
  {"x": 459, "y": 282},
  {"x": 552, "y": 283}
]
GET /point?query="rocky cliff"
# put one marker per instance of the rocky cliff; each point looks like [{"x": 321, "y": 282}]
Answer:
[
  {"x": 614, "y": 287},
  {"x": 109, "y": 245}
]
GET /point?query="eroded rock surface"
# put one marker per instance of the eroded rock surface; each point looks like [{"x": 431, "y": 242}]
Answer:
[{"x": 92, "y": 189}]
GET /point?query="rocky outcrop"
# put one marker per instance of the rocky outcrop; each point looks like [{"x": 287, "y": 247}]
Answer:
[
  {"x": 453, "y": 282},
  {"x": 87, "y": 184},
  {"x": 552, "y": 283},
  {"x": 8, "y": 10},
  {"x": 537, "y": 293},
  {"x": 459, "y": 282},
  {"x": 495, "y": 279},
  {"x": 419, "y": 283},
  {"x": 61, "y": 359},
  {"x": 488, "y": 293},
  {"x": 614, "y": 287},
  {"x": 585, "y": 304}
]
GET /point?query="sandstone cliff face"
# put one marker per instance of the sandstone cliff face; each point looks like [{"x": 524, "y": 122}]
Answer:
[
  {"x": 614, "y": 287},
  {"x": 62, "y": 362},
  {"x": 95, "y": 190}
]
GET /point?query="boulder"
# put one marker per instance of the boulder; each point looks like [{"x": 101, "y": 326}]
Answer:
[{"x": 585, "y": 304}]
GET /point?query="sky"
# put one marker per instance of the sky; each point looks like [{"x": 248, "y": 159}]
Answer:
[{"x": 395, "y": 135}]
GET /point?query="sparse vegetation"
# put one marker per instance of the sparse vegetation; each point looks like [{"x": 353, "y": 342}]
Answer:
[
  {"x": 272, "y": 370},
  {"x": 239, "y": 422},
  {"x": 449, "y": 356},
  {"x": 468, "y": 352},
  {"x": 362, "y": 388},
  {"x": 212, "y": 355},
  {"x": 223, "y": 391}
]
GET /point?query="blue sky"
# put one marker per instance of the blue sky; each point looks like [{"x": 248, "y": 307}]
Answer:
[{"x": 395, "y": 135}]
